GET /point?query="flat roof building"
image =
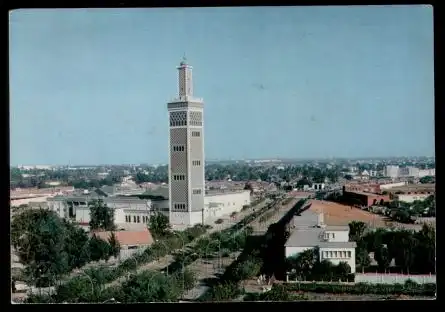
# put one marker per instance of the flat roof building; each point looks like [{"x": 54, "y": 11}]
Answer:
[{"x": 332, "y": 242}]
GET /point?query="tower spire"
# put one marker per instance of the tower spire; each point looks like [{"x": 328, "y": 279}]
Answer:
[{"x": 185, "y": 78}]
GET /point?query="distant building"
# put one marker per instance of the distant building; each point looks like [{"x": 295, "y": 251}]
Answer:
[
  {"x": 392, "y": 171},
  {"x": 409, "y": 198},
  {"x": 396, "y": 171},
  {"x": 332, "y": 242}
]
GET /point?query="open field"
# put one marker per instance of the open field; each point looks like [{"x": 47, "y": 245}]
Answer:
[{"x": 338, "y": 214}]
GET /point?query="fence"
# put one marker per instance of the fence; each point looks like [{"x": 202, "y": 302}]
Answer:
[{"x": 379, "y": 278}]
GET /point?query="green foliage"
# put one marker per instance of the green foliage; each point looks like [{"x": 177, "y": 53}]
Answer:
[
  {"x": 102, "y": 217},
  {"x": 306, "y": 266},
  {"x": 382, "y": 257},
  {"x": 159, "y": 225},
  {"x": 76, "y": 246},
  {"x": 222, "y": 292},
  {"x": 99, "y": 249},
  {"x": 412, "y": 251},
  {"x": 114, "y": 245},
  {"x": 427, "y": 180},
  {"x": 356, "y": 230},
  {"x": 39, "y": 237}
]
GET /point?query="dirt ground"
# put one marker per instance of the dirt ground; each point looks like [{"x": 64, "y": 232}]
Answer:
[{"x": 337, "y": 214}]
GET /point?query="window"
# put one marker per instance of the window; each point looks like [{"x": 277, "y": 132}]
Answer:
[
  {"x": 180, "y": 206},
  {"x": 335, "y": 254},
  {"x": 196, "y": 162},
  {"x": 178, "y": 148},
  {"x": 134, "y": 219},
  {"x": 126, "y": 218},
  {"x": 139, "y": 219},
  {"x": 349, "y": 254},
  {"x": 196, "y": 134},
  {"x": 325, "y": 254},
  {"x": 344, "y": 254},
  {"x": 179, "y": 177},
  {"x": 333, "y": 235},
  {"x": 196, "y": 191}
]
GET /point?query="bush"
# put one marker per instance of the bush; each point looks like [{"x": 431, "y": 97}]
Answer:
[
  {"x": 219, "y": 221},
  {"x": 222, "y": 292}
]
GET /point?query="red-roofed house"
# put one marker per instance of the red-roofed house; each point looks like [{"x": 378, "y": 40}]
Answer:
[{"x": 130, "y": 241}]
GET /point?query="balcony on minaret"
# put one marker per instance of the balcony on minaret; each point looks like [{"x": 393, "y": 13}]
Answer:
[{"x": 187, "y": 98}]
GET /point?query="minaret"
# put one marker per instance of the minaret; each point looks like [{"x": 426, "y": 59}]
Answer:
[
  {"x": 185, "y": 81},
  {"x": 186, "y": 152}
]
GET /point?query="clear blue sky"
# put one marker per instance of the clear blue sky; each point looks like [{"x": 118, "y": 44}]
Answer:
[{"x": 90, "y": 86}]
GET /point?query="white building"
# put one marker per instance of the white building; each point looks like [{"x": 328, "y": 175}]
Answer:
[
  {"x": 409, "y": 198},
  {"x": 132, "y": 213},
  {"x": 392, "y": 171},
  {"x": 332, "y": 242},
  {"x": 388, "y": 186},
  {"x": 129, "y": 212}
]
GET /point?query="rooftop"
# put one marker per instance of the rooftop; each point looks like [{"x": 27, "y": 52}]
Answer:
[
  {"x": 126, "y": 238},
  {"x": 224, "y": 192},
  {"x": 307, "y": 234}
]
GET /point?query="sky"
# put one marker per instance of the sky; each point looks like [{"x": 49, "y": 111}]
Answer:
[{"x": 90, "y": 86}]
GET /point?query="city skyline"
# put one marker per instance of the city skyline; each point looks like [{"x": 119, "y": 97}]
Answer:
[{"x": 102, "y": 86}]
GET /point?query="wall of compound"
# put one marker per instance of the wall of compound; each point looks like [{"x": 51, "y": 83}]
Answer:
[{"x": 378, "y": 278}]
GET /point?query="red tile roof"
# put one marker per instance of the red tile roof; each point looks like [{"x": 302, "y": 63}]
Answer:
[{"x": 128, "y": 237}]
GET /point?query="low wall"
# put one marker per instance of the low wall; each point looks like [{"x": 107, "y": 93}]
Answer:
[{"x": 373, "y": 278}]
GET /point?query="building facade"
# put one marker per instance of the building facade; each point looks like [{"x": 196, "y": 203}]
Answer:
[
  {"x": 186, "y": 152},
  {"x": 332, "y": 242}
]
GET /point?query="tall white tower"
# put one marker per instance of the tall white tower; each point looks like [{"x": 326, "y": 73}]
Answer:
[{"x": 186, "y": 152}]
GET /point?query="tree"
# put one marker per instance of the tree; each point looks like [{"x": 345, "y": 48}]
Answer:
[
  {"x": 102, "y": 217},
  {"x": 402, "y": 248},
  {"x": 248, "y": 186},
  {"x": 362, "y": 258},
  {"x": 75, "y": 242},
  {"x": 342, "y": 270},
  {"x": 356, "y": 230},
  {"x": 323, "y": 270},
  {"x": 159, "y": 224},
  {"x": 425, "y": 253},
  {"x": 304, "y": 262},
  {"x": 99, "y": 249},
  {"x": 39, "y": 238},
  {"x": 115, "y": 247},
  {"x": 381, "y": 255}
]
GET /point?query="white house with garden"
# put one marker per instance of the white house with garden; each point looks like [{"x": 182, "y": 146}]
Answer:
[{"x": 308, "y": 231}]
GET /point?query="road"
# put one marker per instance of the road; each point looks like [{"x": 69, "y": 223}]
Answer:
[
  {"x": 169, "y": 259},
  {"x": 210, "y": 269}
]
